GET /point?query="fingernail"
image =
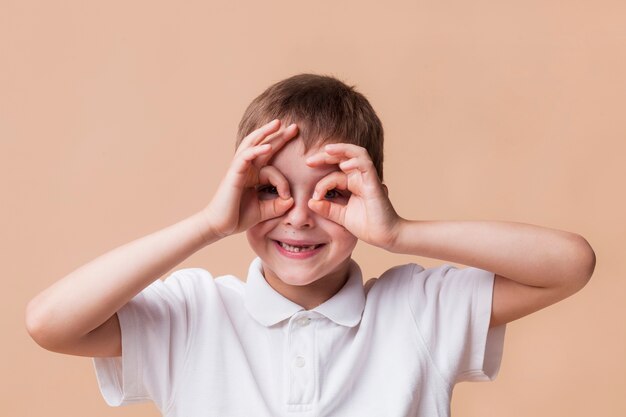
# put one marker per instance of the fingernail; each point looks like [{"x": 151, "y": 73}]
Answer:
[{"x": 316, "y": 196}]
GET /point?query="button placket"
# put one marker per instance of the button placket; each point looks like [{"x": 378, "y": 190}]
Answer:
[
  {"x": 301, "y": 351},
  {"x": 303, "y": 321},
  {"x": 299, "y": 361}
]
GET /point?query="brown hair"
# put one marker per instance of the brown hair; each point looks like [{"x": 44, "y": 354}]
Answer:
[{"x": 325, "y": 109}]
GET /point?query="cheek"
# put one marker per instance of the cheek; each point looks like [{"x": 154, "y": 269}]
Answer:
[
  {"x": 351, "y": 241},
  {"x": 258, "y": 233},
  {"x": 336, "y": 230},
  {"x": 344, "y": 238},
  {"x": 255, "y": 236}
]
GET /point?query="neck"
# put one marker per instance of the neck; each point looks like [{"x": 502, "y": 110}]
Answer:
[{"x": 315, "y": 293}]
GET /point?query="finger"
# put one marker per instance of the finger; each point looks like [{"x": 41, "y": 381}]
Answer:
[
  {"x": 256, "y": 136},
  {"x": 277, "y": 141},
  {"x": 336, "y": 153},
  {"x": 292, "y": 128},
  {"x": 336, "y": 179},
  {"x": 270, "y": 175},
  {"x": 331, "y": 211},
  {"x": 241, "y": 163},
  {"x": 364, "y": 165},
  {"x": 348, "y": 150},
  {"x": 363, "y": 177},
  {"x": 274, "y": 208},
  {"x": 323, "y": 158}
]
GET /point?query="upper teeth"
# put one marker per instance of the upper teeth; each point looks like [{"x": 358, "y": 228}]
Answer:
[{"x": 296, "y": 248}]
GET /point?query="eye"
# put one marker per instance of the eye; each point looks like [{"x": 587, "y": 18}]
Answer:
[
  {"x": 267, "y": 189},
  {"x": 333, "y": 194}
]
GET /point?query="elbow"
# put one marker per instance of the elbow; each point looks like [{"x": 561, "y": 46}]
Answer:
[
  {"x": 37, "y": 322},
  {"x": 584, "y": 261}
]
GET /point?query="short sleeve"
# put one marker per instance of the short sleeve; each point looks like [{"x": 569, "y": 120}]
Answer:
[
  {"x": 452, "y": 311},
  {"x": 156, "y": 331}
]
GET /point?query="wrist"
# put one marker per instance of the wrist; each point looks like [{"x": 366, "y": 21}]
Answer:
[
  {"x": 394, "y": 244},
  {"x": 208, "y": 229}
]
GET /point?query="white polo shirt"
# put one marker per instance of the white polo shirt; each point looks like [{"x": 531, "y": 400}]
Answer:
[{"x": 198, "y": 346}]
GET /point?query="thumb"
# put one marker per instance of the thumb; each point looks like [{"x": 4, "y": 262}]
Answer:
[
  {"x": 275, "y": 207},
  {"x": 331, "y": 211}
]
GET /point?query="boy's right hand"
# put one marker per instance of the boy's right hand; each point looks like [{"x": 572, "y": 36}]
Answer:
[
  {"x": 236, "y": 206},
  {"x": 78, "y": 314}
]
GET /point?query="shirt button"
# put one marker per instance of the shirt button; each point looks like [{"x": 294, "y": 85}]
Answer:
[
  {"x": 299, "y": 361},
  {"x": 304, "y": 321}
]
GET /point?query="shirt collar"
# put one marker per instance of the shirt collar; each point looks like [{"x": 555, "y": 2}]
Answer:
[{"x": 269, "y": 307}]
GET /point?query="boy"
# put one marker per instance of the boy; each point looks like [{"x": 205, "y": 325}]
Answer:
[{"x": 303, "y": 336}]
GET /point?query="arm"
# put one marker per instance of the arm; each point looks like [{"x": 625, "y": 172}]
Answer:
[
  {"x": 534, "y": 267},
  {"x": 77, "y": 314}
]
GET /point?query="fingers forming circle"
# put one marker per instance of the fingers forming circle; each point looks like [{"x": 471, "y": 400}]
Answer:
[
  {"x": 242, "y": 161},
  {"x": 270, "y": 175},
  {"x": 335, "y": 179}
]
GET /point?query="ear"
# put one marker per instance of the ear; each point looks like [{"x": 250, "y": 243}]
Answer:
[{"x": 386, "y": 190}]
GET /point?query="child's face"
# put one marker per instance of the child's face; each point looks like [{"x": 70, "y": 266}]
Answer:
[{"x": 324, "y": 246}]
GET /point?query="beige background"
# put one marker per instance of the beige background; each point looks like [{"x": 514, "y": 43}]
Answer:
[{"x": 118, "y": 119}]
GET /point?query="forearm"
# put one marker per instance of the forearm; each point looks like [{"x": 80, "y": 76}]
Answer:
[
  {"x": 88, "y": 296},
  {"x": 525, "y": 253}
]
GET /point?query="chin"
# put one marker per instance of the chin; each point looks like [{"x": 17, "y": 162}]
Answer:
[{"x": 292, "y": 276}]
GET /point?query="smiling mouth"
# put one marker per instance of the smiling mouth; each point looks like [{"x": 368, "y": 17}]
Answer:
[{"x": 298, "y": 248}]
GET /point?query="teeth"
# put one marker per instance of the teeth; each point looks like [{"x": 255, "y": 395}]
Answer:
[{"x": 296, "y": 249}]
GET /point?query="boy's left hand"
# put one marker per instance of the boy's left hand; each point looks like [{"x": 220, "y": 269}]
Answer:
[{"x": 368, "y": 214}]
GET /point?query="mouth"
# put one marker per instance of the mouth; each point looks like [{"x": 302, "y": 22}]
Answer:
[{"x": 298, "y": 250}]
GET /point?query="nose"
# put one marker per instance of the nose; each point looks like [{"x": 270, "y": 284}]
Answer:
[{"x": 299, "y": 215}]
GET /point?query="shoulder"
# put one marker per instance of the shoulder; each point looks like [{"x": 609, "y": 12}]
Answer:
[
  {"x": 427, "y": 282},
  {"x": 407, "y": 274},
  {"x": 393, "y": 280},
  {"x": 192, "y": 283},
  {"x": 413, "y": 271},
  {"x": 182, "y": 280},
  {"x": 182, "y": 295}
]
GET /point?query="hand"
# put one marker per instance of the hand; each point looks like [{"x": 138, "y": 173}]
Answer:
[
  {"x": 236, "y": 206},
  {"x": 368, "y": 214}
]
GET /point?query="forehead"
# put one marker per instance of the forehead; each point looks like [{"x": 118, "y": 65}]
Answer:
[{"x": 290, "y": 160}]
